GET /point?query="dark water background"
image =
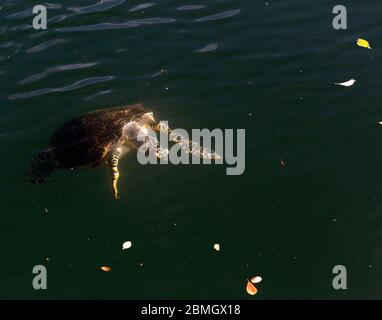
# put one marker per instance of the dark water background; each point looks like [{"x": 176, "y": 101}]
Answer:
[{"x": 268, "y": 67}]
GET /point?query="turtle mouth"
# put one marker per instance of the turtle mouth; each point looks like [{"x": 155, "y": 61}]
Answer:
[
  {"x": 161, "y": 127},
  {"x": 148, "y": 119}
]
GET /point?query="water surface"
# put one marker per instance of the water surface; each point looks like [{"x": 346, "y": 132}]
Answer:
[{"x": 265, "y": 66}]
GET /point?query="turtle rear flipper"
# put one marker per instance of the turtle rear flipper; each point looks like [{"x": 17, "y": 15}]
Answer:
[{"x": 42, "y": 166}]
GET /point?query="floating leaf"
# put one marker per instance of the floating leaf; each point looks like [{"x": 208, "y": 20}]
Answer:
[
  {"x": 346, "y": 83},
  {"x": 251, "y": 289},
  {"x": 126, "y": 245},
  {"x": 256, "y": 279},
  {"x": 217, "y": 246},
  {"x": 363, "y": 43},
  {"x": 105, "y": 268}
]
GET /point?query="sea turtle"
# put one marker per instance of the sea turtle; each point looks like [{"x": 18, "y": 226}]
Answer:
[{"x": 103, "y": 136}]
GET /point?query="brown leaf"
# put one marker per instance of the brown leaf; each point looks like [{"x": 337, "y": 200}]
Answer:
[
  {"x": 251, "y": 289},
  {"x": 105, "y": 268}
]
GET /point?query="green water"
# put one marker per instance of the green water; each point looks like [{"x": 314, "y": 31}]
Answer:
[{"x": 267, "y": 67}]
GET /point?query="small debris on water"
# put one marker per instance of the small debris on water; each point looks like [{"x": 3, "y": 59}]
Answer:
[
  {"x": 348, "y": 83},
  {"x": 126, "y": 245}
]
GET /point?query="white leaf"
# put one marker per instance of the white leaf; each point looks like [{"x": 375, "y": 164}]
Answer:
[
  {"x": 217, "y": 246},
  {"x": 127, "y": 245},
  {"x": 347, "y": 83},
  {"x": 256, "y": 279}
]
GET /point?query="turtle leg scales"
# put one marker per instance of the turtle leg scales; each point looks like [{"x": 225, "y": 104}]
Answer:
[{"x": 113, "y": 165}]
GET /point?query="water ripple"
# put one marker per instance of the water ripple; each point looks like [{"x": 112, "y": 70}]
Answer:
[
  {"x": 209, "y": 47},
  {"x": 71, "y": 87},
  {"x": 9, "y": 44},
  {"x": 142, "y": 6},
  {"x": 160, "y": 72},
  {"x": 3, "y": 29},
  {"x": 21, "y": 27},
  {"x": 101, "y": 93},
  {"x": 21, "y": 14},
  {"x": 29, "y": 12},
  {"x": 219, "y": 16},
  {"x": 123, "y": 25},
  {"x": 53, "y": 5},
  {"x": 45, "y": 45},
  {"x": 38, "y": 34},
  {"x": 48, "y": 71},
  {"x": 190, "y": 7},
  {"x": 103, "y": 5},
  {"x": 58, "y": 18},
  {"x": 11, "y": 48}
]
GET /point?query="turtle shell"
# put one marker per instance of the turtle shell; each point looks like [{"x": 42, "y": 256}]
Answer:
[{"x": 86, "y": 140}]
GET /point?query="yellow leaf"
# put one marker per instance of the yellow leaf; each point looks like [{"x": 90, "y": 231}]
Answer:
[{"x": 363, "y": 43}]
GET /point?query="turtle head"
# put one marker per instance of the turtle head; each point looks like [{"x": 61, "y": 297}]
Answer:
[
  {"x": 148, "y": 120},
  {"x": 136, "y": 131}
]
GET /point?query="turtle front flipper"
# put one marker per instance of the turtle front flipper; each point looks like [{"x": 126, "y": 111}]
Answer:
[
  {"x": 113, "y": 165},
  {"x": 155, "y": 148},
  {"x": 193, "y": 147},
  {"x": 187, "y": 145}
]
